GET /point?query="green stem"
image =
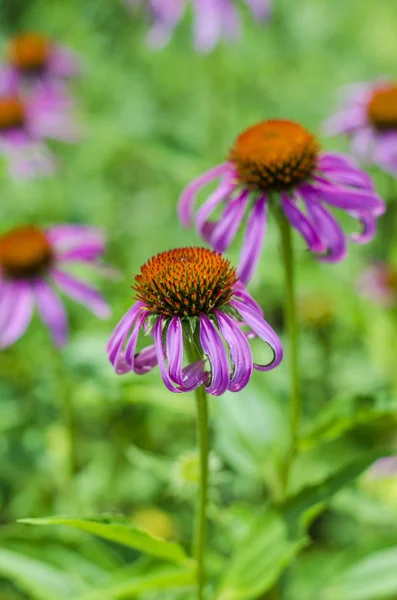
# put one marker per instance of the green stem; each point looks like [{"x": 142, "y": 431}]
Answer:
[
  {"x": 201, "y": 516},
  {"x": 292, "y": 328},
  {"x": 64, "y": 393}
]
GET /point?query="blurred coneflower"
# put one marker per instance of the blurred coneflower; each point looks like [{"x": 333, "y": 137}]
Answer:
[
  {"x": 279, "y": 163},
  {"x": 213, "y": 19},
  {"x": 192, "y": 304},
  {"x": 369, "y": 118},
  {"x": 378, "y": 283},
  {"x": 25, "y": 122},
  {"x": 32, "y": 262},
  {"x": 33, "y": 57}
]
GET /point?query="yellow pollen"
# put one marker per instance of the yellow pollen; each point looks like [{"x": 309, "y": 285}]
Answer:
[
  {"x": 29, "y": 51},
  {"x": 274, "y": 155},
  {"x": 24, "y": 253},
  {"x": 12, "y": 113},
  {"x": 186, "y": 281},
  {"x": 382, "y": 107}
]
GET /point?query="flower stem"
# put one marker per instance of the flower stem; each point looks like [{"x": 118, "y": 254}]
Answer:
[
  {"x": 201, "y": 515},
  {"x": 291, "y": 320}
]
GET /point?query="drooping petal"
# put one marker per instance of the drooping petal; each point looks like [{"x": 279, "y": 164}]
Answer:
[
  {"x": 368, "y": 222},
  {"x": 188, "y": 196},
  {"x": 52, "y": 311},
  {"x": 69, "y": 238},
  {"x": 242, "y": 294},
  {"x": 133, "y": 339},
  {"x": 253, "y": 240},
  {"x": 145, "y": 360},
  {"x": 346, "y": 121},
  {"x": 161, "y": 357},
  {"x": 261, "y": 9},
  {"x": 187, "y": 380},
  {"x": 63, "y": 62},
  {"x": 19, "y": 315},
  {"x": 208, "y": 24},
  {"x": 328, "y": 229},
  {"x": 213, "y": 347},
  {"x": 262, "y": 330},
  {"x": 82, "y": 293},
  {"x": 222, "y": 192},
  {"x": 347, "y": 198},
  {"x": 385, "y": 151},
  {"x": 120, "y": 333},
  {"x": 166, "y": 17},
  {"x": 301, "y": 223},
  {"x": 240, "y": 352},
  {"x": 225, "y": 231}
]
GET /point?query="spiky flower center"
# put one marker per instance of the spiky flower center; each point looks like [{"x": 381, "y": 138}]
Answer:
[
  {"x": 29, "y": 52},
  {"x": 185, "y": 282},
  {"x": 12, "y": 113},
  {"x": 25, "y": 252},
  {"x": 382, "y": 107},
  {"x": 274, "y": 155}
]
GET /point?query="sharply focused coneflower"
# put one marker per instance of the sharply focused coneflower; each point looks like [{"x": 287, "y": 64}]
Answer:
[
  {"x": 192, "y": 304},
  {"x": 32, "y": 263},
  {"x": 378, "y": 283},
  {"x": 213, "y": 19},
  {"x": 369, "y": 118},
  {"x": 279, "y": 163},
  {"x": 25, "y": 122},
  {"x": 33, "y": 57}
]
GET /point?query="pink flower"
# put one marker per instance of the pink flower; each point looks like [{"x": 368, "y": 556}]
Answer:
[
  {"x": 32, "y": 263},
  {"x": 190, "y": 302},
  {"x": 26, "y": 121},
  {"x": 379, "y": 284},
  {"x": 369, "y": 118},
  {"x": 279, "y": 163},
  {"x": 213, "y": 19}
]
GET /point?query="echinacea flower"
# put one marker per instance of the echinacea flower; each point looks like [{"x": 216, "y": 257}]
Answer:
[
  {"x": 192, "y": 304},
  {"x": 280, "y": 162},
  {"x": 213, "y": 19},
  {"x": 32, "y": 263},
  {"x": 378, "y": 283},
  {"x": 25, "y": 122},
  {"x": 33, "y": 58},
  {"x": 369, "y": 118}
]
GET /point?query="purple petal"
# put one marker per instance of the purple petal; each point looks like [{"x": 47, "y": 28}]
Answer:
[
  {"x": 328, "y": 229},
  {"x": 133, "y": 339},
  {"x": 76, "y": 242},
  {"x": 240, "y": 352},
  {"x": 63, "y": 62},
  {"x": 213, "y": 347},
  {"x": 253, "y": 240},
  {"x": 224, "y": 232},
  {"x": 346, "y": 121},
  {"x": 82, "y": 293},
  {"x": 385, "y": 151},
  {"x": 346, "y": 198},
  {"x": 145, "y": 360},
  {"x": 188, "y": 197},
  {"x": 194, "y": 377},
  {"x": 51, "y": 311},
  {"x": 362, "y": 142},
  {"x": 262, "y": 330},
  {"x": 301, "y": 223},
  {"x": 19, "y": 315},
  {"x": 222, "y": 192},
  {"x": 161, "y": 358},
  {"x": 261, "y": 9},
  {"x": 368, "y": 232},
  {"x": 242, "y": 294},
  {"x": 338, "y": 161},
  {"x": 122, "y": 329},
  {"x": 207, "y": 24}
]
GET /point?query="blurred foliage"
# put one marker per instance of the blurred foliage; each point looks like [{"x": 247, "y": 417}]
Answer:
[{"x": 154, "y": 120}]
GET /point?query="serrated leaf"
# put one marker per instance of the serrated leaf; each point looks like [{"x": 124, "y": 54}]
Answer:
[
  {"x": 121, "y": 534},
  {"x": 38, "y": 579},
  {"x": 372, "y": 578}
]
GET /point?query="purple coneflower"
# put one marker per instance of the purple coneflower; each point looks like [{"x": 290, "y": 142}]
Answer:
[
  {"x": 279, "y": 161},
  {"x": 192, "y": 304},
  {"x": 32, "y": 262},
  {"x": 25, "y": 122},
  {"x": 214, "y": 19},
  {"x": 369, "y": 118},
  {"x": 35, "y": 58},
  {"x": 379, "y": 284}
]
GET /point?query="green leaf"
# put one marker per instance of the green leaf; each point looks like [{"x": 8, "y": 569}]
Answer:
[
  {"x": 38, "y": 579},
  {"x": 119, "y": 533},
  {"x": 276, "y": 538},
  {"x": 371, "y": 578},
  {"x": 261, "y": 558},
  {"x": 129, "y": 585}
]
